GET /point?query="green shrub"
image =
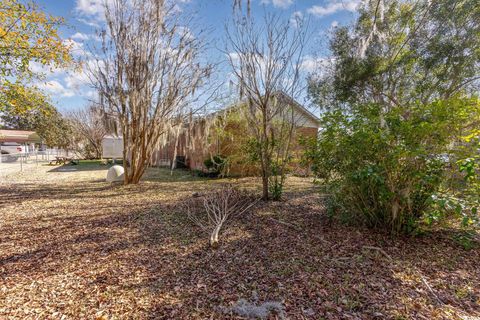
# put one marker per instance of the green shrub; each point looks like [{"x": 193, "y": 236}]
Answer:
[
  {"x": 389, "y": 176},
  {"x": 216, "y": 165},
  {"x": 466, "y": 239},
  {"x": 398, "y": 96}
]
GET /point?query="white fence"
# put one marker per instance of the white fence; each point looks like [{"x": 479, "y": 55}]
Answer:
[{"x": 25, "y": 162}]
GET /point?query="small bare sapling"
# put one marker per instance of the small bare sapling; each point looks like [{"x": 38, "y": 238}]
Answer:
[{"x": 212, "y": 210}]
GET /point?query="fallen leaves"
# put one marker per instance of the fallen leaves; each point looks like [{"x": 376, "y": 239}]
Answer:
[{"x": 75, "y": 248}]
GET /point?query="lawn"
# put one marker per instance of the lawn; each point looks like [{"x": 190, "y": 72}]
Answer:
[{"x": 75, "y": 247}]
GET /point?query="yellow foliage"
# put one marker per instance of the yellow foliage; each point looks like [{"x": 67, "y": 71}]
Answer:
[
  {"x": 472, "y": 135},
  {"x": 27, "y": 34}
]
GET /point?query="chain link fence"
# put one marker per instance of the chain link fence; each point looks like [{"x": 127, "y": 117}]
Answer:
[{"x": 27, "y": 161}]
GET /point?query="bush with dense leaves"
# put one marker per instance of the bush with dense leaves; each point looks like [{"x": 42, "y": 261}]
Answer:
[
  {"x": 216, "y": 165},
  {"x": 391, "y": 176},
  {"x": 399, "y": 95}
]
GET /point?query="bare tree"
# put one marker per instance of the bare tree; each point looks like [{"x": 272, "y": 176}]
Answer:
[
  {"x": 219, "y": 206},
  {"x": 147, "y": 73},
  {"x": 237, "y": 5},
  {"x": 89, "y": 126},
  {"x": 266, "y": 60}
]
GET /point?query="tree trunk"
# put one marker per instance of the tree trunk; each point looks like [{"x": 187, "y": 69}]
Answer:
[
  {"x": 214, "y": 236},
  {"x": 265, "y": 195},
  {"x": 126, "y": 175}
]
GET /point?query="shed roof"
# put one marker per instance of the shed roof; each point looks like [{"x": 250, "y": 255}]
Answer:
[{"x": 20, "y": 136}]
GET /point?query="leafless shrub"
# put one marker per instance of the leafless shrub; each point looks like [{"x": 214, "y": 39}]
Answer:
[
  {"x": 211, "y": 210},
  {"x": 90, "y": 128},
  {"x": 265, "y": 58}
]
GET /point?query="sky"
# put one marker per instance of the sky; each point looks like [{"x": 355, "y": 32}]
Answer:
[{"x": 70, "y": 90}]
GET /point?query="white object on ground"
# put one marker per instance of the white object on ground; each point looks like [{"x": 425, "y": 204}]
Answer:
[{"x": 115, "y": 174}]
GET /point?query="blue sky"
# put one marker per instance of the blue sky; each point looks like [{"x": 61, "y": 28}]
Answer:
[{"x": 69, "y": 89}]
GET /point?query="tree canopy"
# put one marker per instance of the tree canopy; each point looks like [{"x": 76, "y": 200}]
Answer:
[
  {"x": 36, "y": 113},
  {"x": 399, "y": 53},
  {"x": 28, "y": 36},
  {"x": 403, "y": 81}
]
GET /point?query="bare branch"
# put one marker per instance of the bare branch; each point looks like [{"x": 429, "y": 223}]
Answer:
[
  {"x": 219, "y": 207},
  {"x": 265, "y": 59},
  {"x": 90, "y": 127},
  {"x": 148, "y": 72}
]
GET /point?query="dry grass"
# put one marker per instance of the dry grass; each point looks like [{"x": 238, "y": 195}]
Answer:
[{"x": 75, "y": 247}]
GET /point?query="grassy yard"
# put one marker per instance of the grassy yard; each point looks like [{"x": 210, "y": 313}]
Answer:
[{"x": 75, "y": 247}]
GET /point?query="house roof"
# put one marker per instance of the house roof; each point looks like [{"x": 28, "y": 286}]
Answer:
[
  {"x": 283, "y": 95},
  {"x": 19, "y": 136},
  {"x": 299, "y": 106}
]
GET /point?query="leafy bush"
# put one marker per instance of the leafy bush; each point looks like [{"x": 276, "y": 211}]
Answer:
[
  {"x": 276, "y": 181},
  {"x": 203, "y": 174},
  {"x": 398, "y": 95},
  {"x": 216, "y": 165},
  {"x": 277, "y": 168},
  {"x": 466, "y": 239},
  {"x": 389, "y": 176}
]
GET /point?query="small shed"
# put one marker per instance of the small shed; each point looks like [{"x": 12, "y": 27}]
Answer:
[{"x": 112, "y": 147}]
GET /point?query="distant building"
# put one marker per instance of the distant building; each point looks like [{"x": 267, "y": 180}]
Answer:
[
  {"x": 195, "y": 147},
  {"x": 190, "y": 148},
  {"x": 19, "y": 136},
  {"x": 18, "y": 141}
]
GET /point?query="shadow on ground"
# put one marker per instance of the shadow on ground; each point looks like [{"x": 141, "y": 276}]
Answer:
[{"x": 79, "y": 167}]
